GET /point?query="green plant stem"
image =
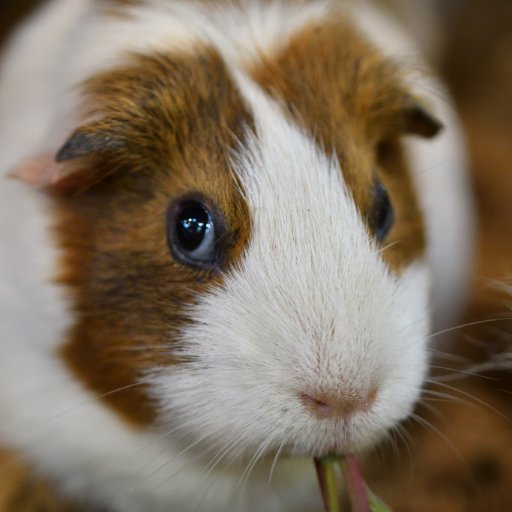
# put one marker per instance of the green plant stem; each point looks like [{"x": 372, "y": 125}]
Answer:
[{"x": 326, "y": 472}]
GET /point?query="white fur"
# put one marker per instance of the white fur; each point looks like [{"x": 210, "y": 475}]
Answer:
[{"x": 311, "y": 287}]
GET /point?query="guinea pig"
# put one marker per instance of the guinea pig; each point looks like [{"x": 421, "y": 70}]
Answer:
[{"x": 228, "y": 232}]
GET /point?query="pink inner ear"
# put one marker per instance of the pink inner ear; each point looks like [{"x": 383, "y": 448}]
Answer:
[{"x": 40, "y": 171}]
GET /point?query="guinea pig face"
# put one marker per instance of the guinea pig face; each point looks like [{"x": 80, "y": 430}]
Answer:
[
  {"x": 311, "y": 343},
  {"x": 245, "y": 248}
]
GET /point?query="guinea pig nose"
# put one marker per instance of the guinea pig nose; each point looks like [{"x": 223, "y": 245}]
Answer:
[{"x": 324, "y": 405}]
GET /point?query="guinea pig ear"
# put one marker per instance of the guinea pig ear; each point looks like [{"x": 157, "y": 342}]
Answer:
[
  {"x": 417, "y": 119},
  {"x": 55, "y": 170},
  {"x": 40, "y": 171}
]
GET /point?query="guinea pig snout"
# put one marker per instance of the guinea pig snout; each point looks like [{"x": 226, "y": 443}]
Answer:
[{"x": 329, "y": 405}]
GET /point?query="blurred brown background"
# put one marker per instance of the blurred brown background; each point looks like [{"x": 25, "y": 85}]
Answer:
[{"x": 461, "y": 460}]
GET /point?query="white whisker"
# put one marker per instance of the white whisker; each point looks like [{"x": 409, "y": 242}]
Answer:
[
  {"x": 274, "y": 463},
  {"x": 430, "y": 426},
  {"x": 471, "y": 397},
  {"x": 468, "y": 324}
]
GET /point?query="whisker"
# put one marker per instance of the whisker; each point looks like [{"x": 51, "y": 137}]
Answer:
[
  {"x": 472, "y": 397},
  {"x": 90, "y": 401},
  {"x": 169, "y": 461},
  {"x": 446, "y": 397},
  {"x": 378, "y": 451},
  {"x": 430, "y": 426},
  {"x": 408, "y": 442},
  {"x": 458, "y": 373},
  {"x": 432, "y": 409},
  {"x": 221, "y": 454},
  {"x": 393, "y": 439},
  {"x": 274, "y": 463},
  {"x": 468, "y": 324},
  {"x": 224, "y": 450},
  {"x": 388, "y": 444},
  {"x": 249, "y": 468},
  {"x": 446, "y": 161},
  {"x": 501, "y": 362},
  {"x": 456, "y": 358},
  {"x": 388, "y": 246}
]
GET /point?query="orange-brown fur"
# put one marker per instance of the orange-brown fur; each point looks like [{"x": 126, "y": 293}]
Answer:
[{"x": 175, "y": 119}]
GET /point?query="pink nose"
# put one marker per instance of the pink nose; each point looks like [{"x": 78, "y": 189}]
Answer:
[{"x": 329, "y": 405}]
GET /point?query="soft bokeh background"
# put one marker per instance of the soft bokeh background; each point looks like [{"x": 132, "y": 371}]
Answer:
[
  {"x": 463, "y": 462},
  {"x": 462, "y": 459}
]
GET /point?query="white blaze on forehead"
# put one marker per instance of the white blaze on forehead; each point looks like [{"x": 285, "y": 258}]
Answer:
[{"x": 309, "y": 252}]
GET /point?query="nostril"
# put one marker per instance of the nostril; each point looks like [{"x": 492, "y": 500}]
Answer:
[
  {"x": 329, "y": 405},
  {"x": 318, "y": 407}
]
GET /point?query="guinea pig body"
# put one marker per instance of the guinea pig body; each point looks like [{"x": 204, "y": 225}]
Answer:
[{"x": 240, "y": 236}]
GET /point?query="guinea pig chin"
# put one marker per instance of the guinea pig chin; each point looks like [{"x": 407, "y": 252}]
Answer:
[{"x": 313, "y": 346}]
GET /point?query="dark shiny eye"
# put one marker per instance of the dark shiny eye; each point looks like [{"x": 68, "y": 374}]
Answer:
[
  {"x": 382, "y": 215},
  {"x": 191, "y": 234}
]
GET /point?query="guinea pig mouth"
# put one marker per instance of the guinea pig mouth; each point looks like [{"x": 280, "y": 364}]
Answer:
[
  {"x": 340, "y": 442},
  {"x": 290, "y": 451}
]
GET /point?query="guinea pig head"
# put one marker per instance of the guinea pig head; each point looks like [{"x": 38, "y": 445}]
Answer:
[{"x": 244, "y": 247}]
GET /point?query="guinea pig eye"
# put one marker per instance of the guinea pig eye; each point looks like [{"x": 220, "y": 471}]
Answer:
[
  {"x": 382, "y": 215},
  {"x": 191, "y": 234}
]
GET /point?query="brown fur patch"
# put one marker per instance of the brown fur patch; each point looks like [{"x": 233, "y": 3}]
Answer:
[
  {"x": 176, "y": 120},
  {"x": 351, "y": 100}
]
